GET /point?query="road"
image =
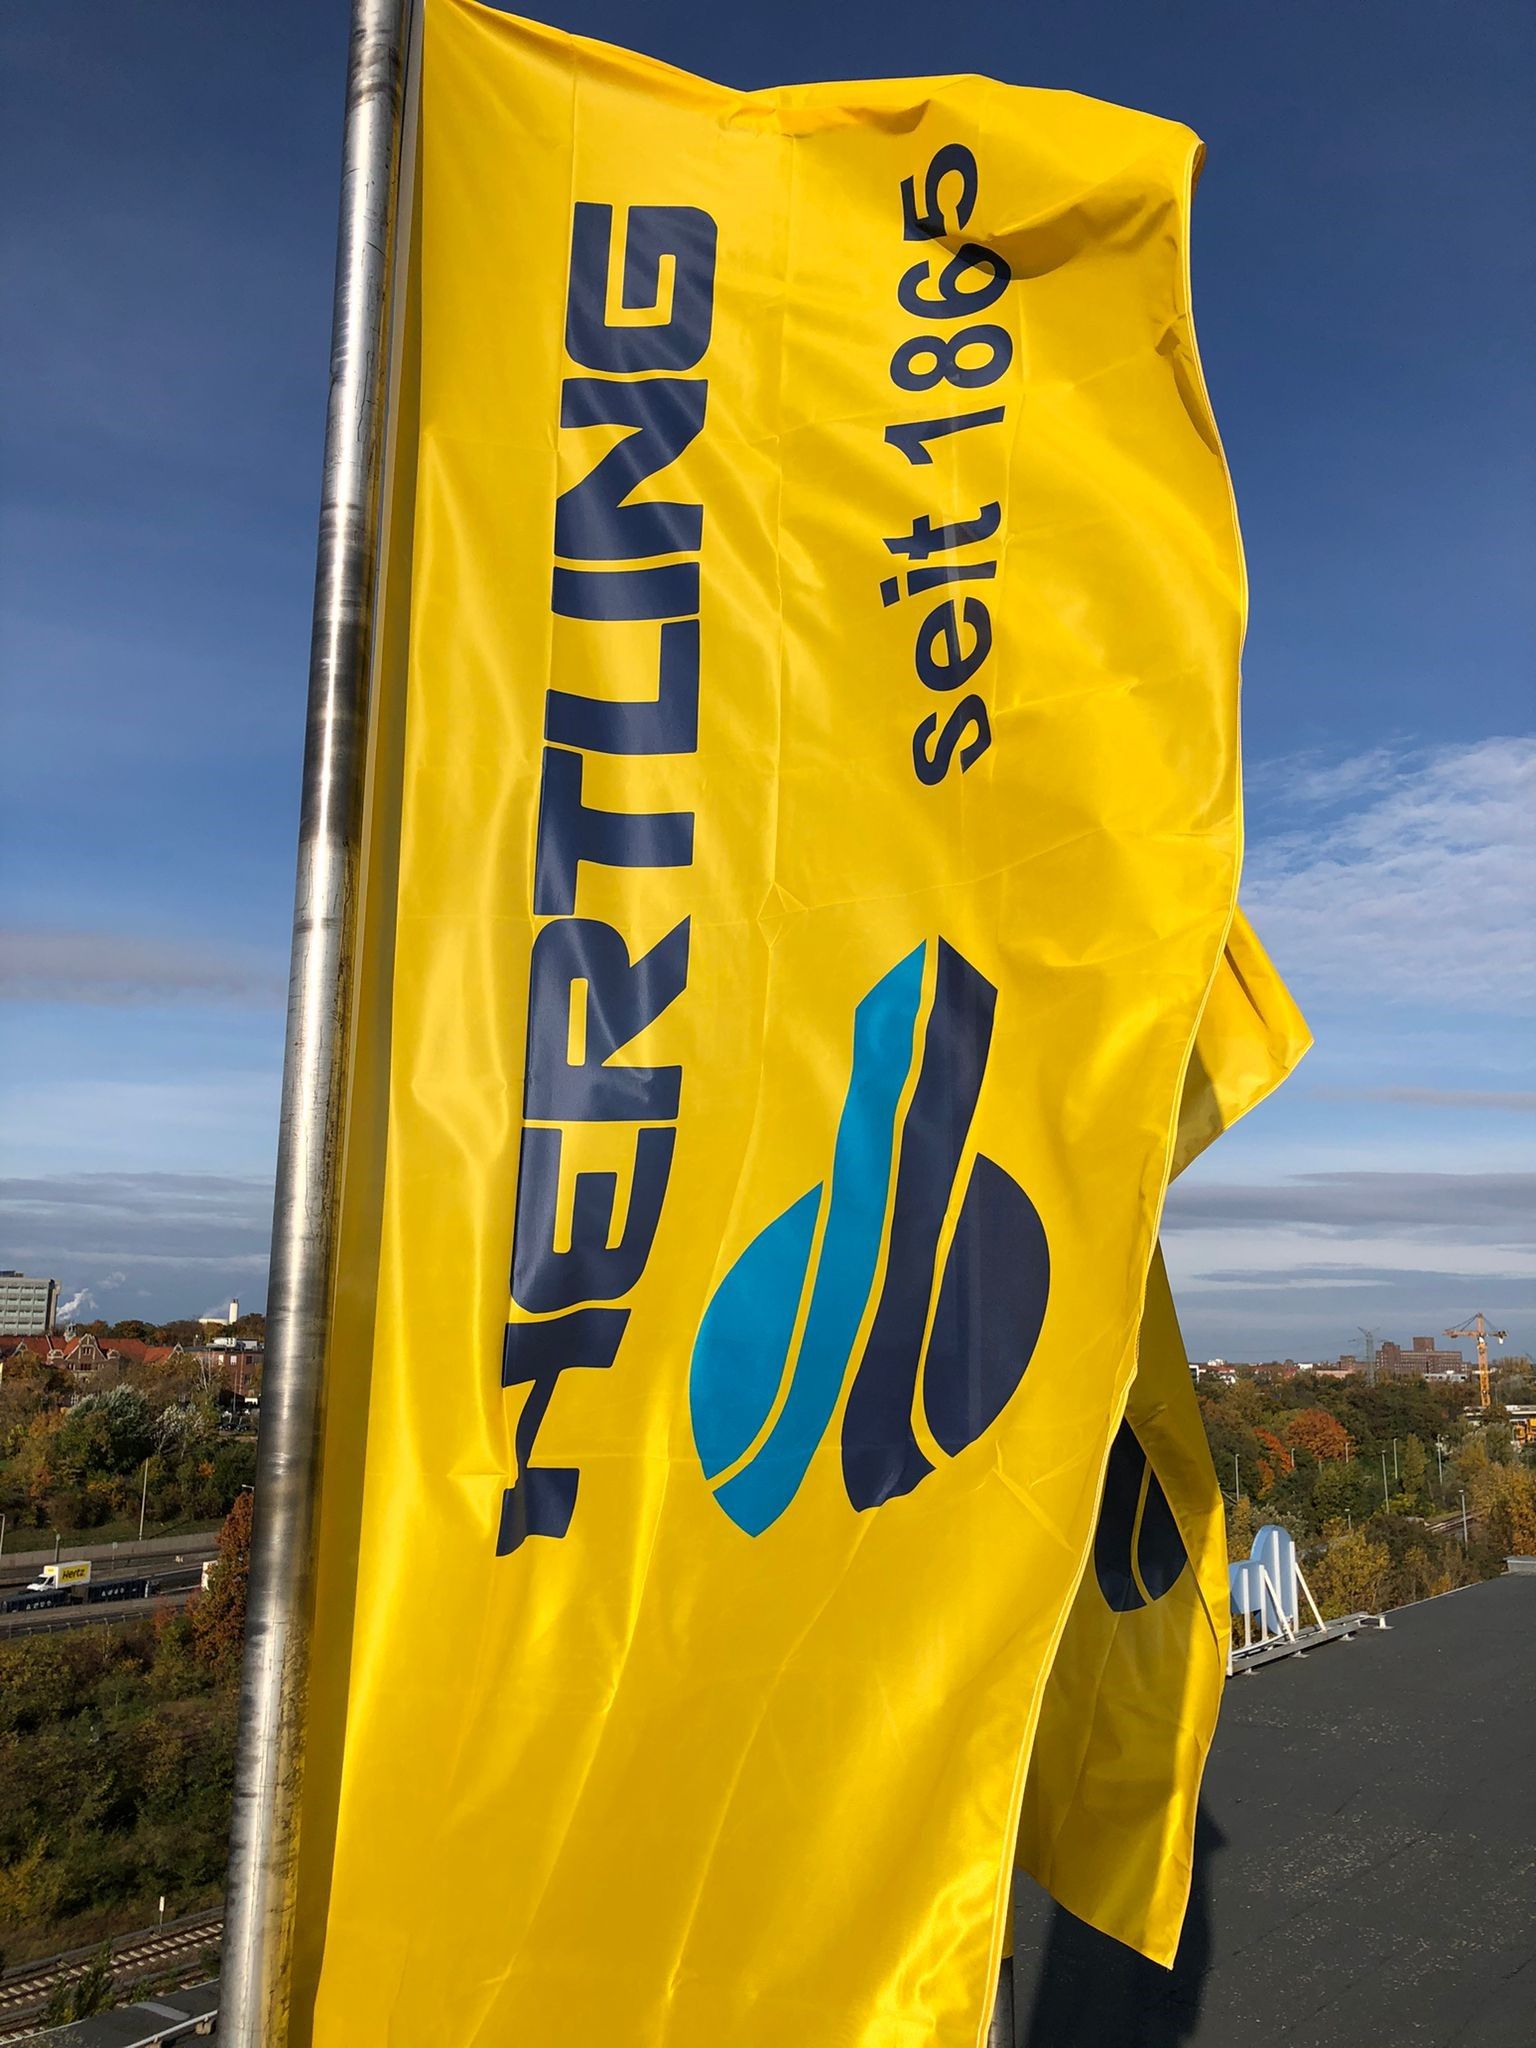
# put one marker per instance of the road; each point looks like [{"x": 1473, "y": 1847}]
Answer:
[
  {"x": 114, "y": 1560},
  {"x": 175, "y": 1585}
]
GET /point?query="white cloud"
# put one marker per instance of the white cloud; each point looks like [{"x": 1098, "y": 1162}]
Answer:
[{"x": 1418, "y": 886}]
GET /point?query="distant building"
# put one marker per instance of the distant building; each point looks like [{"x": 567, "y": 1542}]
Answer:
[
  {"x": 83, "y": 1351},
  {"x": 1423, "y": 1357},
  {"x": 1522, "y": 1424},
  {"x": 27, "y": 1307}
]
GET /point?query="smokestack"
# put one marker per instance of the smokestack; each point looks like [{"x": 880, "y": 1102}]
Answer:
[{"x": 234, "y": 1311}]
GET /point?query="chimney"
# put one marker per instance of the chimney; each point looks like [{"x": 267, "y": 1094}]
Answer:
[{"x": 234, "y": 1311}]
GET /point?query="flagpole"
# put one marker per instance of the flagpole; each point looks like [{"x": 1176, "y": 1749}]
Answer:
[{"x": 258, "y": 1912}]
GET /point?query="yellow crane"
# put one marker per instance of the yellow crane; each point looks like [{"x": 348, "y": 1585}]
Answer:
[{"x": 1477, "y": 1326}]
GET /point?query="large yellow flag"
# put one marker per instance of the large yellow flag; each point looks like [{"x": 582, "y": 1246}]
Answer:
[
  {"x": 804, "y": 832},
  {"x": 1108, "y": 1825}
]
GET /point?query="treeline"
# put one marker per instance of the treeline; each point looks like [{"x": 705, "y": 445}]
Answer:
[
  {"x": 1372, "y": 1482},
  {"x": 185, "y": 1330},
  {"x": 116, "y": 1764},
  {"x": 73, "y": 1453}
]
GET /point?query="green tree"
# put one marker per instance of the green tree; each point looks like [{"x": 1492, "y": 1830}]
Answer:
[{"x": 1415, "y": 1466}]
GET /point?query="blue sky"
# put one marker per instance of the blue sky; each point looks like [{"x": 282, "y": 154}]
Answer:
[{"x": 1364, "y": 256}]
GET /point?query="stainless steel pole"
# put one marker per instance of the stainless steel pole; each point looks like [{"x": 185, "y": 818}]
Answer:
[{"x": 258, "y": 1910}]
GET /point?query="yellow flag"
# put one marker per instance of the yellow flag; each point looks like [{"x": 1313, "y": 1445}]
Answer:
[
  {"x": 1114, "y": 1777},
  {"x": 803, "y": 835}
]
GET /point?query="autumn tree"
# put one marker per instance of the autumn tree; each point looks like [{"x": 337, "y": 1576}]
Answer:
[
  {"x": 1351, "y": 1575},
  {"x": 1318, "y": 1433},
  {"x": 1505, "y": 1497},
  {"x": 1274, "y": 1460},
  {"x": 218, "y": 1617}
]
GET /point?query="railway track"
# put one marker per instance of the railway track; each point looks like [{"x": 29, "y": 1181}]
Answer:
[{"x": 25, "y": 1992}]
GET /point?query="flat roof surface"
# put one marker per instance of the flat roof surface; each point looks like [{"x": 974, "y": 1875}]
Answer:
[{"x": 1365, "y": 1865}]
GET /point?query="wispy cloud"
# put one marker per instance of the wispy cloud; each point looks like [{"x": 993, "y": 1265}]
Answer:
[
  {"x": 1517, "y": 1101},
  {"x": 1481, "y": 1208},
  {"x": 176, "y": 1234},
  {"x": 1402, "y": 877},
  {"x": 114, "y": 969}
]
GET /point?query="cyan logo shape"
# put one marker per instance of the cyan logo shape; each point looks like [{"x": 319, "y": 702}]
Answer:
[
  {"x": 1138, "y": 1553},
  {"x": 754, "y": 1390}
]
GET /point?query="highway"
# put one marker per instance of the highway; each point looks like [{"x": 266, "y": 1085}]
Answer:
[
  {"x": 177, "y": 1588},
  {"x": 111, "y": 1560},
  {"x": 175, "y": 1563}
]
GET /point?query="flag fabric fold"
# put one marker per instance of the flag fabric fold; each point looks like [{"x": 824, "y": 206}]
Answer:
[
  {"x": 804, "y": 835},
  {"x": 1108, "y": 1825}
]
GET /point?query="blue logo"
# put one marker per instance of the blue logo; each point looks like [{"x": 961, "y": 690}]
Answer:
[
  {"x": 1138, "y": 1553},
  {"x": 763, "y": 1401}
]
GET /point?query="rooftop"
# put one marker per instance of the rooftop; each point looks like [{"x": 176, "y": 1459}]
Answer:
[{"x": 1365, "y": 1863}]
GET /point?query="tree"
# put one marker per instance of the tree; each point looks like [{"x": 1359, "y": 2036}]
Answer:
[
  {"x": 1351, "y": 1575},
  {"x": 218, "y": 1617},
  {"x": 1415, "y": 1466},
  {"x": 1505, "y": 1497},
  {"x": 1274, "y": 1460},
  {"x": 1241, "y": 1524},
  {"x": 1316, "y": 1431}
]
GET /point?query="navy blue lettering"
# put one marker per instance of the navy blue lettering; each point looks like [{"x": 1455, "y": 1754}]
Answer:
[
  {"x": 940, "y": 634},
  {"x": 670, "y": 592},
  {"x": 542, "y": 1499},
  {"x": 926, "y": 539},
  {"x": 569, "y": 833},
  {"x": 593, "y": 522},
  {"x": 668, "y": 724},
  {"x": 680, "y": 237},
  {"x": 934, "y": 763},
  {"x": 621, "y": 1000},
  {"x": 544, "y": 1279},
  {"x": 584, "y": 990}
]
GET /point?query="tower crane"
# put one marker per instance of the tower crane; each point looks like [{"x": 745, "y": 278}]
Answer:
[{"x": 1477, "y": 1326}]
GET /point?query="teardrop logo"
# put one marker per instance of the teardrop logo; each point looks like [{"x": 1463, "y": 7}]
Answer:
[
  {"x": 1138, "y": 1553},
  {"x": 777, "y": 1341}
]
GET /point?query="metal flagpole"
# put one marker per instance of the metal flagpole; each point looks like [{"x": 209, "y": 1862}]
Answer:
[{"x": 263, "y": 1835}]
